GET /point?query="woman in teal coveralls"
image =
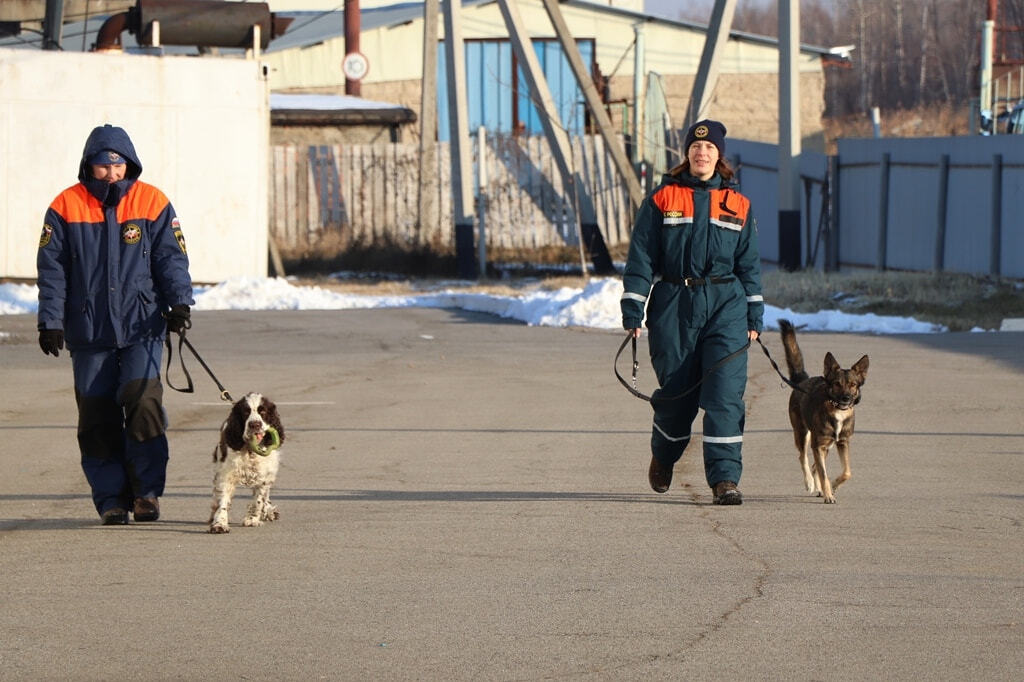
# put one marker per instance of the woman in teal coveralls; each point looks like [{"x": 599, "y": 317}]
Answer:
[{"x": 693, "y": 261}]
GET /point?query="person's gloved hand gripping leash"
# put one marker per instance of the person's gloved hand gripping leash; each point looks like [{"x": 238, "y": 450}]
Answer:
[{"x": 179, "y": 318}]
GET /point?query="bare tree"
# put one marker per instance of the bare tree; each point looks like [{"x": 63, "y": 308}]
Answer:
[
  {"x": 942, "y": 49},
  {"x": 938, "y": 40}
]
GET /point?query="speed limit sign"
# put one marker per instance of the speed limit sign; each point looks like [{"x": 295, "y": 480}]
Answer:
[{"x": 355, "y": 66}]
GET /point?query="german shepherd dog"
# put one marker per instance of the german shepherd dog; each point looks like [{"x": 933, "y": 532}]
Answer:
[{"x": 821, "y": 412}]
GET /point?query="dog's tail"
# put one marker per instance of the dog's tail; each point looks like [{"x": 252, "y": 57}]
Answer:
[{"x": 794, "y": 358}]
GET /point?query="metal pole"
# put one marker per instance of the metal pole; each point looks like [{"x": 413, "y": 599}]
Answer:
[
  {"x": 638, "y": 96},
  {"x": 987, "y": 31},
  {"x": 942, "y": 205},
  {"x": 53, "y": 24},
  {"x": 352, "y": 25},
  {"x": 789, "y": 134},
  {"x": 707, "y": 71},
  {"x": 594, "y": 103},
  {"x": 575, "y": 186},
  {"x": 481, "y": 212},
  {"x": 832, "y": 235},
  {"x": 995, "y": 261},
  {"x": 428, "y": 126},
  {"x": 883, "y": 213},
  {"x": 458, "y": 122}
]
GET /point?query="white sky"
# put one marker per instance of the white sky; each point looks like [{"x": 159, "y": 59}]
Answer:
[{"x": 596, "y": 305}]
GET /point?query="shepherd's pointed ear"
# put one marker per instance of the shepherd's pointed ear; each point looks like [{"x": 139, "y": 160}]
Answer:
[
  {"x": 861, "y": 368},
  {"x": 830, "y": 364}
]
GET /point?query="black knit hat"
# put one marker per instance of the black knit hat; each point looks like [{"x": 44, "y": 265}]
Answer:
[
  {"x": 712, "y": 131},
  {"x": 106, "y": 157}
]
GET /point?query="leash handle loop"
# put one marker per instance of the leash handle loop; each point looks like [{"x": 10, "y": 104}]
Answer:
[
  {"x": 636, "y": 363},
  {"x": 224, "y": 395},
  {"x": 181, "y": 357}
]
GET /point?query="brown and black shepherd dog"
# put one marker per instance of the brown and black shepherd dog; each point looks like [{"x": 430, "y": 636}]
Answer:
[{"x": 821, "y": 412}]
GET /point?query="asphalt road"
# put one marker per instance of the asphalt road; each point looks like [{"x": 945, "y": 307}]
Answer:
[{"x": 465, "y": 498}]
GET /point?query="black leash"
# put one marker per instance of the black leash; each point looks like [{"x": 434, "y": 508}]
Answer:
[
  {"x": 636, "y": 365},
  {"x": 224, "y": 395},
  {"x": 775, "y": 366}
]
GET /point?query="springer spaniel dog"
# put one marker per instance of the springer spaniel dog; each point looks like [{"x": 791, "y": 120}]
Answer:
[{"x": 248, "y": 455}]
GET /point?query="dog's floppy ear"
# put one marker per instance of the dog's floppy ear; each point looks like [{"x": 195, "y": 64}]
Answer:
[
  {"x": 234, "y": 426},
  {"x": 274, "y": 419},
  {"x": 861, "y": 368},
  {"x": 831, "y": 366}
]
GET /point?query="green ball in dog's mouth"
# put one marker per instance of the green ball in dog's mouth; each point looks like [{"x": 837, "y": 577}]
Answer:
[{"x": 257, "y": 446}]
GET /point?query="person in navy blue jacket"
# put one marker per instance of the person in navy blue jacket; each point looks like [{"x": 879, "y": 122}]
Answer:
[{"x": 113, "y": 281}]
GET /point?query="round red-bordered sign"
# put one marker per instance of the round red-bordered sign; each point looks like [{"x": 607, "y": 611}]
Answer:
[{"x": 354, "y": 66}]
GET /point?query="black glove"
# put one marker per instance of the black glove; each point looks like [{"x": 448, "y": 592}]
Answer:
[
  {"x": 179, "y": 318},
  {"x": 51, "y": 341}
]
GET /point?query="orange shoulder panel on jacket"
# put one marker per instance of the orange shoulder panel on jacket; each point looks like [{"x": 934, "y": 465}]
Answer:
[
  {"x": 728, "y": 205},
  {"x": 144, "y": 202},
  {"x": 674, "y": 199},
  {"x": 76, "y": 205}
]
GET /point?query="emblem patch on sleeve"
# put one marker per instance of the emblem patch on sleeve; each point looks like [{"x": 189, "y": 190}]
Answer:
[
  {"x": 181, "y": 240},
  {"x": 131, "y": 233},
  {"x": 176, "y": 227},
  {"x": 44, "y": 238}
]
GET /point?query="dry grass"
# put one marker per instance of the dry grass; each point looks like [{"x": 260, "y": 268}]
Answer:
[
  {"x": 928, "y": 121},
  {"x": 960, "y": 302}
]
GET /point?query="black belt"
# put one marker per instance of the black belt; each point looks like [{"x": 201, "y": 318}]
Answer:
[{"x": 697, "y": 281}]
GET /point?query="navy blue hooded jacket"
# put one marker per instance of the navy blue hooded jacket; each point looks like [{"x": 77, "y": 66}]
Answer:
[{"x": 111, "y": 257}]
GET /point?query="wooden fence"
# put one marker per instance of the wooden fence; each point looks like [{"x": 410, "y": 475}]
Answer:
[{"x": 367, "y": 195}]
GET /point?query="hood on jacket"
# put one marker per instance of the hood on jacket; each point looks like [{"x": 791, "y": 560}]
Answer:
[{"x": 110, "y": 137}]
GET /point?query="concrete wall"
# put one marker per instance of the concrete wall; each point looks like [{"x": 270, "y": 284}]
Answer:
[{"x": 199, "y": 125}]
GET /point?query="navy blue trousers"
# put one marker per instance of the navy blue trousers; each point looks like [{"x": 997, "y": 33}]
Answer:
[
  {"x": 680, "y": 363},
  {"x": 121, "y": 422}
]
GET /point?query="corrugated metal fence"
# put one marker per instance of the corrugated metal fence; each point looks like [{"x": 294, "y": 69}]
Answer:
[
  {"x": 367, "y": 194},
  {"x": 945, "y": 204}
]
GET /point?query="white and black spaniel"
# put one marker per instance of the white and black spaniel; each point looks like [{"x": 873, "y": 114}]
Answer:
[{"x": 248, "y": 455}]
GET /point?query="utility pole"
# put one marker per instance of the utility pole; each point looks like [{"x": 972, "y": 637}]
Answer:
[
  {"x": 639, "y": 69},
  {"x": 987, "y": 50},
  {"x": 588, "y": 232},
  {"x": 594, "y": 103},
  {"x": 789, "y": 134},
  {"x": 707, "y": 71},
  {"x": 428, "y": 124},
  {"x": 354, "y": 64},
  {"x": 458, "y": 126}
]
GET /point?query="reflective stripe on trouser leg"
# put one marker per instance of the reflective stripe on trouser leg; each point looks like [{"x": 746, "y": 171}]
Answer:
[
  {"x": 673, "y": 363},
  {"x": 722, "y": 400},
  {"x": 670, "y": 434}
]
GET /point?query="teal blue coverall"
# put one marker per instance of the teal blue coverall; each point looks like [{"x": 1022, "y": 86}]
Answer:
[{"x": 694, "y": 263}]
